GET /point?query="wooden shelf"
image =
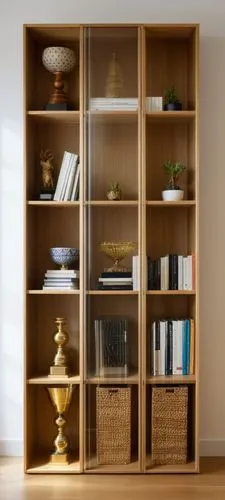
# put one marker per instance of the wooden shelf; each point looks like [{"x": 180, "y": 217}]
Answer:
[
  {"x": 63, "y": 204},
  {"x": 170, "y": 292},
  {"x": 130, "y": 379},
  {"x": 45, "y": 380},
  {"x": 93, "y": 468},
  {"x": 72, "y": 117},
  {"x": 171, "y": 379},
  {"x": 113, "y": 116},
  {"x": 190, "y": 467},
  {"x": 53, "y": 292},
  {"x": 112, "y": 292},
  {"x": 43, "y": 466},
  {"x": 167, "y": 204},
  {"x": 167, "y": 116},
  {"x": 106, "y": 203}
]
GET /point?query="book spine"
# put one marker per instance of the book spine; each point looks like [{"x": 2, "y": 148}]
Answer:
[
  {"x": 188, "y": 346},
  {"x": 180, "y": 272},
  {"x": 192, "y": 346},
  {"x": 175, "y": 272},
  {"x": 162, "y": 346},
  {"x": 97, "y": 348},
  {"x": 184, "y": 348},
  {"x": 157, "y": 348},
  {"x": 61, "y": 175}
]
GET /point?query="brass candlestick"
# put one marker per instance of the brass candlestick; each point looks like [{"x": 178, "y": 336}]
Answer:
[
  {"x": 61, "y": 338},
  {"x": 60, "y": 398}
]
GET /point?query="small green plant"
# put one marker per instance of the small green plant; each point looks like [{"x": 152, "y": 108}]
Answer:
[
  {"x": 173, "y": 170},
  {"x": 170, "y": 96}
]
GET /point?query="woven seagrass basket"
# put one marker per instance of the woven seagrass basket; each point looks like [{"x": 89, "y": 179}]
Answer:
[
  {"x": 169, "y": 425},
  {"x": 113, "y": 425}
]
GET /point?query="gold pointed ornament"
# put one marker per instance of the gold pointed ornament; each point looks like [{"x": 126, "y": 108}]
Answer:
[
  {"x": 60, "y": 397},
  {"x": 114, "y": 81},
  {"x": 61, "y": 337}
]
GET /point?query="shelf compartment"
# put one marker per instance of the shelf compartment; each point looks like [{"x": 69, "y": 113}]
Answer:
[
  {"x": 91, "y": 427},
  {"x": 42, "y": 430},
  {"x": 40, "y": 81},
  {"x": 174, "y": 230},
  {"x": 179, "y": 72},
  {"x": 191, "y": 465},
  {"x": 110, "y": 224},
  {"x": 45, "y": 380},
  {"x": 42, "y": 135},
  {"x": 112, "y": 152},
  {"x": 175, "y": 141},
  {"x": 41, "y": 327},
  {"x": 53, "y": 228},
  {"x": 105, "y": 307}
]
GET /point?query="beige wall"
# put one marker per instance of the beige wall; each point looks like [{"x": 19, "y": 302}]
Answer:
[{"x": 211, "y": 15}]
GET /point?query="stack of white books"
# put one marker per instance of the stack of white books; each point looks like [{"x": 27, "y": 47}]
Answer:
[
  {"x": 67, "y": 188},
  {"x": 63, "y": 279},
  {"x": 113, "y": 103},
  {"x": 154, "y": 103}
]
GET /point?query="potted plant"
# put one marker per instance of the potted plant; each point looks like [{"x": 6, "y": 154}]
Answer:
[
  {"x": 173, "y": 192},
  {"x": 171, "y": 101},
  {"x": 114, "y": 192}
]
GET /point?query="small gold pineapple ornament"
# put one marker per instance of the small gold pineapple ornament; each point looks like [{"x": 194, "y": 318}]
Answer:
[
  {"x": 114, "y": 192},
  {"x": 114, "y": 81}
]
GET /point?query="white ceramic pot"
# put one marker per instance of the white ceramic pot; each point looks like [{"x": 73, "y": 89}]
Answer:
[{"x": 172, "y": 195}]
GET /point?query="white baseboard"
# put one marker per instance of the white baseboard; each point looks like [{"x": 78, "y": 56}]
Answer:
[
  {"x": 11, "y": 448},
  {"x": 208, "y": 448},
  {"x": 212, "y": 448}
]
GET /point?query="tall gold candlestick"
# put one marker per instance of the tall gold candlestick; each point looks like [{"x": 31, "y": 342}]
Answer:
[
  {"x": 61, "y": 338},
  {"x": 60, "y": 398}
]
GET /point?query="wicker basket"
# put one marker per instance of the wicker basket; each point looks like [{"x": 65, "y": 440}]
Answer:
[
  {"x": 169, "y": 425},
  {"x": 113, "y": 425}
]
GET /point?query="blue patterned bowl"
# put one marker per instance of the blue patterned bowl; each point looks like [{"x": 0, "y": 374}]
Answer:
[{"x": 64, "y": 256}]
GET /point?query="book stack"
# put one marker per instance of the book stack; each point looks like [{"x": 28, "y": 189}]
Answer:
[
  {"x": 113, "y": 103},
  {"x": 171, "y": 272},
  {"x": 63, "y": 279},
  {"x": 115, "y": 281},
  {"x": 111, "y": 354},
  {"x": 67, "y": 188},
  {"x": 154, "y": 103},
  {"x": 172, "y": 347}
]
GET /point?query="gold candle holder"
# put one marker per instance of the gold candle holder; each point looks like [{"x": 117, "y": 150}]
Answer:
[
  {"x": 60, "y": 398},
  {"x": 60, "y": 369}
]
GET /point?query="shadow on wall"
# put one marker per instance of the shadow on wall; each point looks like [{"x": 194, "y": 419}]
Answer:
[
  {"x": 11, "y": 261},
  {"x": 212, "y": 239}
]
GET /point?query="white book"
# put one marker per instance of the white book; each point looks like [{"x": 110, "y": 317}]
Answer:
[
  {"x": 66, "y": 177},
  {"x": 180, "y": 272},
  {"x": 166, "y": 271},
  {"x": 135, "y": 270},
  {"x": 189, "y": 271},
  {"x": 75, "y": 188},
  {"x": 162, "y": 346},
  {"x": 63, "y": 168},
  {"x": 115, "y": 280},
  {"x": 153, "y": 368},
  {"x": 71, "y": 177}
]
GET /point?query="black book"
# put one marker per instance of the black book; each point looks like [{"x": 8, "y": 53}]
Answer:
[
  {"x": 122, "y": 274},
  {"x": 151, "y": 266},
  {"x": 114, "y": 287},
  {"x": 175, "y": 272},
  {"x": 113, "y": 351}
]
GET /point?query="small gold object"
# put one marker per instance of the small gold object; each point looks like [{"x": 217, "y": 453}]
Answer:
[
  {"x": 114, "y": 192},
  {"x": 117, "y": 251},
  {"x": 60, "y": 398},
  {"x": 47, "y": 167},
  {"x": 61, "y": 338},
  {"x": 114, "y": 81}
]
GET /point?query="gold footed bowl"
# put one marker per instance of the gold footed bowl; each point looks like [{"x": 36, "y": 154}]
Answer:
[{"x": 117, "y": 251}]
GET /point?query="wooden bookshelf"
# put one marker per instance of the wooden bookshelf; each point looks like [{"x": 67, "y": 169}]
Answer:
[{"x": 128, "y": 146}]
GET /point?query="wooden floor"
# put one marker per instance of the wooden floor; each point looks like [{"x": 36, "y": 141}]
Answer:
[{"x": 209, "y": 485}]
